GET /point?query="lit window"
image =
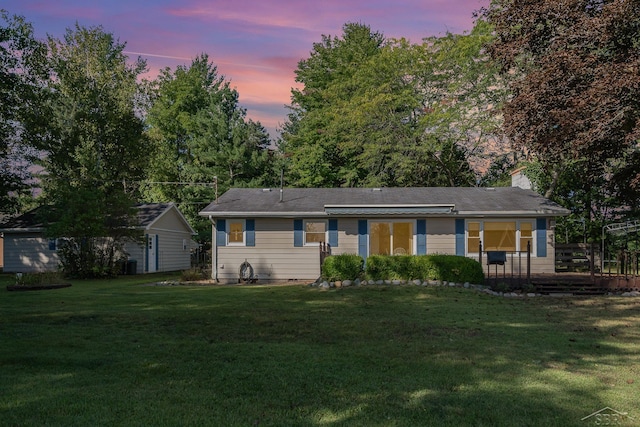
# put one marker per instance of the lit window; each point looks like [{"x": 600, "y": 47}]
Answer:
[
  {"x": 473, "y": 239},
  {"x": 499, "y": 236},
  {"x": 236, "y": 232},
  {"x": 315, "y": 232},
  {"x": 390, "y": 238},
  {"x": 509, "y": 236}
]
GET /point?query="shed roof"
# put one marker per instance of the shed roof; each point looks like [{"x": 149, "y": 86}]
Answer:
[
  {"x": 147, "y": 214},
  {"x": 409, "y": 201}
]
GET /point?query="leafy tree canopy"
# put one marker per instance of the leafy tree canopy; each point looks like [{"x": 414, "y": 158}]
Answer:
[
  {"x": 21, "y": 66},
  {"x": 374, "y": 111},
  {"x": 578, "y": 89},
  {"x": 93, "y": 148},
  {"x": 202, "y": 141},
  {"x": 574, "y": 70}
]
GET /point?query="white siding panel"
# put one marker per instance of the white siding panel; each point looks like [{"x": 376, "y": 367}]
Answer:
[
  {"x": 172, "y": 255},
  {"x": 171, "y": 220},
  {"x": 441, "y": 236},
  {"x": 273, "y": 257},
  {"x": 347, "y": 237},
  {"x": 28, "y": 253}
]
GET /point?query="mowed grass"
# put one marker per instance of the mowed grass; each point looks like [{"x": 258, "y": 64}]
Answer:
[{"x": 109, "y": 353}]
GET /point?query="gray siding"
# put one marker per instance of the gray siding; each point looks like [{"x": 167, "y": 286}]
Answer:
[
  {"x": 173, "y": 255},
  {"x": 441, "y": 236},
  {"x": 273, "y": 257},
  {"x": 347, "y": 237},
  {"x": 28, "y": 253}
]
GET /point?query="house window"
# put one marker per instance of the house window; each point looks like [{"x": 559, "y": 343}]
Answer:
[
  {"x": 526, "y": 235},
  {"x": 473, "y": 239},
  {"x": 390, "y": 238},
  {"x": 236, "y": 233},
  {"x": 509, "y": 236},
  {"x": 315, "y": 232},
  {"x": 499, "y": 236}
]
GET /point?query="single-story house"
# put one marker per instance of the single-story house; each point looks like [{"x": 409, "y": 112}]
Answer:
[
  {"x": 279, "y": 231},
  {"x": 167, "y": 242}
]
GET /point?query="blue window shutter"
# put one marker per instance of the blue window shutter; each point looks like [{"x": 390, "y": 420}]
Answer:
[
  {"x": 221, "y": 232},
  {"x": 298, "y": 233},
  {"x": 157, "y": 252},
  {"x": 333, "y": 233},
  {"x": 541, "y": 237},
  {"x": 421, "y": 236},
  {"x": 460, "y": 237},
  {"x": 52, "y": 244},
  {"x": 362, "y": 238},
  {"x": 250, "y": 232}
]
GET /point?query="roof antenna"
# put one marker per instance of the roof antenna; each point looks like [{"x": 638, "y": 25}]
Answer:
[{"x": 281, "y": 185}]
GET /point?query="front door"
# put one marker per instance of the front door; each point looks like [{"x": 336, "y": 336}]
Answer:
[{"x": 151, "y": 253}]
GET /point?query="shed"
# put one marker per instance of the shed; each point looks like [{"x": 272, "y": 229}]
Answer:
[{"x": 165, "y": 231}]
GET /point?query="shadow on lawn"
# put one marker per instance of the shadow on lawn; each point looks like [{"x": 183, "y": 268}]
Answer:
[
  {"x": 479, "y": 361},
  {"x": 378, "y": 356}
]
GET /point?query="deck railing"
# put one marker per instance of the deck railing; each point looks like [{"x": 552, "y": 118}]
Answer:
[{"x": 510, "y": 267}]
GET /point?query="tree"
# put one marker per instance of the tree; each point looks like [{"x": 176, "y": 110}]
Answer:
[
  {"x": 578, "y": 95},
  {"x": 22, "y": 60},
  {"x": 311, "y": 138},
  {"x": 463, "y": 94},
  {"x": 386, "y": 112},
  {"x": 575, "y": 79},
  {"x": 94, "y": 149},
  {"x": 202, "y": 141}
]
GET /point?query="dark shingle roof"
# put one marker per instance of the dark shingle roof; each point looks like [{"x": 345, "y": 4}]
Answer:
[
  {"x": 32, "y": 220},
  {"x": 28, "y": 220},
  {"x": 149, "y": 212},
  {"x": 314, "y": 201}
]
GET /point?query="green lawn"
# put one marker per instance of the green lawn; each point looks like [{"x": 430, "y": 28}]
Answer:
[{"x": 119, "y": 353}]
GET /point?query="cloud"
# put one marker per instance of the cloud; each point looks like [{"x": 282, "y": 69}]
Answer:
[{"x": 256, "y": 44}]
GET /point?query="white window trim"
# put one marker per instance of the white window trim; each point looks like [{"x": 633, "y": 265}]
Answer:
[
  {"x": 414, "y": 233},
  {"x": 517, "y": 237},
  {"x": 244, "y": 232},
  {"x": 304, "y": 231}
]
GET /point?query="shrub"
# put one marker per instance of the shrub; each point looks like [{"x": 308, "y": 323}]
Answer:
[
  {"x": 450, "y": 268},
  {"x": 379, "y": 267},
  {"x": 342, "y": 267},
  {"x": 191, "y": 275}
]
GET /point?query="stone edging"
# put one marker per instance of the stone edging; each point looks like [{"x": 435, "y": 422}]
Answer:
[{"x": 323, "y": 285}]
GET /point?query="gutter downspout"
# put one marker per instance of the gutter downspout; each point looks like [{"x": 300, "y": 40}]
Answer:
[{"x": 214, "y": 250}]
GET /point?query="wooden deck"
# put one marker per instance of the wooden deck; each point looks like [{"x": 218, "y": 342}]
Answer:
[
  {"x": 574, "y": 283},
  {"x": 584, "y": 283}
]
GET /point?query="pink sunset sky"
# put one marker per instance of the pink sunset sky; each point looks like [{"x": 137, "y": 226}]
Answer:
[{"x": 256, "y": 44}]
